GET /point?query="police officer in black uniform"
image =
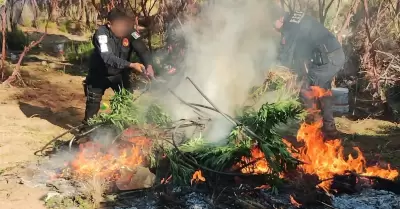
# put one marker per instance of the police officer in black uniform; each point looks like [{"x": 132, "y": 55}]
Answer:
[
  {"x": 109, "y": 65},
  {"x": 312, "y": 50}
]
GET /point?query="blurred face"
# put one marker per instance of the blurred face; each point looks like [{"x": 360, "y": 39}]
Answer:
[
  {"x": 278, "y": 24},
  {"x": 120, "y": 27}
]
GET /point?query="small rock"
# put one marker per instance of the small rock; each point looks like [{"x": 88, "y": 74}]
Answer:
[
  {"x": 14, "y": 57},
  {"x": 52, "y": 65},
  {"x": 51, "y": 195},
  {"x": 44, "y": 63},
  {"x": 110, "y": 198},
  {"x": 64, "y": 187}
]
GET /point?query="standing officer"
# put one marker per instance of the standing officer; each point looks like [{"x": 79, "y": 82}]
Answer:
[
  {"x": 310, "y": 48},
  {"x": 109, "y": 65}
]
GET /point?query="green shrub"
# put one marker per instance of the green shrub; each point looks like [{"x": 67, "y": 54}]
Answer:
[
  {"x": 63, "y": 28},
  {"x": 78, "y": 52},
  {"x": 27, "y": 23},
  {"x": 15, "y": 40},
  {"x": 157, "y": 41},
  {"x": 66, "y": 26},
  {"x": 50, "y": 25}
]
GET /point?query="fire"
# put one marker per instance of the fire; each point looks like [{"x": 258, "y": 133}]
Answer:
[
  {"x": 294, "y": 202},
  {"x": 197, "y": 177},
  {"x": 93, "y": 159},
  {"x": 326, "y": 158},
  {"x": 322, "y": 158},
  {"x": 255, "y": 164}
]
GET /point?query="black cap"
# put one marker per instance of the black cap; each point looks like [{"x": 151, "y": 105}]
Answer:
[{"x": 116, "y": 14}]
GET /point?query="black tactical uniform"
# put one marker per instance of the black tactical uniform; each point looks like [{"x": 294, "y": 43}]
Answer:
[
  {"x": 109, "y": 65},
  {"x": 311, "y": 49}
]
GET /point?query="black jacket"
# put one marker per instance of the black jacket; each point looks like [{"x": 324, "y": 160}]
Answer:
[
  {"x": 301, "y": 34},
  {"x": 111, "y": 55}
]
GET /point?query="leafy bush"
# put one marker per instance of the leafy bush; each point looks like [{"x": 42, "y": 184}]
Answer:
[
  {"x": 15, "y": 40},
  {"x": 240, "y": 143},
  {"x": 78, "y": 52},
  {"x": 63, "y": 28},
  {"x": 125, "y": 112},
  {"x": 67, "y": 26},
  {"x": 50, "y": 25}
]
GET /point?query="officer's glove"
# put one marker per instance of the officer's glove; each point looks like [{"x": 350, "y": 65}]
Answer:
[{"x": 137, "y": 66}]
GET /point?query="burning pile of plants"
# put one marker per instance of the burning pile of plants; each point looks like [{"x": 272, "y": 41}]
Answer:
[{"x": 152, "y": 154}]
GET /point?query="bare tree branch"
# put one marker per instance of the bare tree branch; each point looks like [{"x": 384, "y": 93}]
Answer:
[
  {"x": 349, "y": 15},
  {"x": 16, "y": 73}
]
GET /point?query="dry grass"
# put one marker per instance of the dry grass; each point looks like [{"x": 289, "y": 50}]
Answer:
[
  {"x": 280, "y": 83},
  {"x": 94, "y": 188}
]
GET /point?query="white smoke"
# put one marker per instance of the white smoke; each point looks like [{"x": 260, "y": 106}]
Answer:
[{"x": 230, "y": 46}]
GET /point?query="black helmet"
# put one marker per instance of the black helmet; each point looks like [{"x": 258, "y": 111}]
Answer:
[{"x": 116, "y": 14}]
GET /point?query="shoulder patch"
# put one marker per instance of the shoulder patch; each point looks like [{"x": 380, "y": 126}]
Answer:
[
  {"x": 135, "y": 35},
  {"x": 297, "y": 17},
  {"x": 103, "y": 48},
  {"x": 102, "y": 39},
  {"x": 125, "y": 42}
]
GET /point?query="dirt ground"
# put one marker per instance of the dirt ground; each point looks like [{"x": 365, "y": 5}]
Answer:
[
  {"x": 54, "y": 101},
  {"x": 31, "y": 116}
]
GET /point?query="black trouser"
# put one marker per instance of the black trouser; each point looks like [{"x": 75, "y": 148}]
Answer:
[
  {"x": 322, "y": 77},
  {"x": 95, "y": 87}
]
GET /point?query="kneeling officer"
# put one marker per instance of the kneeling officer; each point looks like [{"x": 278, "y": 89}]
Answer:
[{"x": 109, "y": 65}]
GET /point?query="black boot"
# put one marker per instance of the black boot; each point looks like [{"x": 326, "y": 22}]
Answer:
[
  {"x": 330, "y": 132},
  {"x": 329, "y": 127},
  {"x": 84, "y": 127},
  {"x": 308, "y": 102}
]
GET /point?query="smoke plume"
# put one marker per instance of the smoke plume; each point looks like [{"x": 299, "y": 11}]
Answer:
[{"x": 229, "y": 47}]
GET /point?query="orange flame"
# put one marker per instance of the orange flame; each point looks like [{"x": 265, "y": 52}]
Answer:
[
  {"x": 256, "y": 164},
  {"x": 294, "y": 202},
  {"x": 326, "y": 158},
  {"x": 197, "y": 177},
  {"x": 322, "y": 158},
  {"x": 94, "y": 159}
]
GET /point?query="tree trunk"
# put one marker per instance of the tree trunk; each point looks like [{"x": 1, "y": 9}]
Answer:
[
  {"x": 323, "y": 9},
  {"x": 87, "y": 13},
  {"x": 84, "y": 12},
  {"x": 80, "y": 10},
  {"x": 12, "y": 24},
  {"x": 3, "y": 46},
  {"x": 53, "y": 10},
  {"x": 346, "y": 24}
]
